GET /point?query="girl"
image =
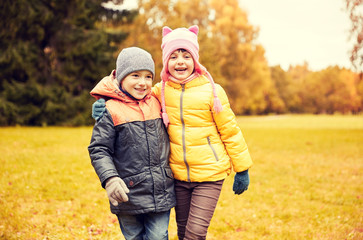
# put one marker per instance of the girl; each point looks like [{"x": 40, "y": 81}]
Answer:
[{"x": 205, "y": 139}]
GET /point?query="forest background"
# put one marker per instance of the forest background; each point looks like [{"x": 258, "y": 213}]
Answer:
[{"x": 53, "y": 52}]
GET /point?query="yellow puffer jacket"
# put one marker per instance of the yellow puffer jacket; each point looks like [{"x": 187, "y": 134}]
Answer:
[{"x": 203, "y": 144}]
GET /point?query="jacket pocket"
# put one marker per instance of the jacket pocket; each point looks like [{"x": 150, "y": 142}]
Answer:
[
  {"x": 140, "y": 195},
  {"x": 134, "y": 180},
  {"x": 212, "y": 148}
]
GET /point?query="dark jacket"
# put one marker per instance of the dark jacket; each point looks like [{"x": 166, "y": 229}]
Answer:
[{"x": 130, "y": 141}]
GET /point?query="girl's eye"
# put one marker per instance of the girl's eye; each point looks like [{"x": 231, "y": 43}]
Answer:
[{"x": 135, "y": 75}]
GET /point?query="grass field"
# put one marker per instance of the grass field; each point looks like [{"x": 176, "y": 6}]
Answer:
[{"x": 306, "y": 183}]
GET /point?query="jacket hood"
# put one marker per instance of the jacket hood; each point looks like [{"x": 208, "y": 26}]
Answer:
[{"x": 108, "y": 88}]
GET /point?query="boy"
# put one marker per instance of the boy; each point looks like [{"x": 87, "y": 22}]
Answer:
[{"x": 130, "y": 148}]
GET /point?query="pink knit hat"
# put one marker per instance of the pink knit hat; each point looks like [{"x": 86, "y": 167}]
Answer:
[{"x": 183, "y": 38}]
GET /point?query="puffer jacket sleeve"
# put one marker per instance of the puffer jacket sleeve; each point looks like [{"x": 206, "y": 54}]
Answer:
[
  {"x": 156, "y": 91},
  {"x": 231, "y": 134},
  {"x": 101, "y": 148}
]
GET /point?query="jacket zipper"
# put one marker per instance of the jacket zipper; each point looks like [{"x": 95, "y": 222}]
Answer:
[
  {"x": 183, "y": 131},
  {"x": 148, "y": 148},
  {"x": 213, "y": 150}
]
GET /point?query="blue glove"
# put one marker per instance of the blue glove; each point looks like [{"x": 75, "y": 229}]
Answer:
[
  {"x": 98, "y": 108},
  {"x": 241, "y": 182}
]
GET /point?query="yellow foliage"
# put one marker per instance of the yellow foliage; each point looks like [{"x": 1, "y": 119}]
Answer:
[
  {"x": 229, "y": 50},
  {"x": 228, "y": 11}
]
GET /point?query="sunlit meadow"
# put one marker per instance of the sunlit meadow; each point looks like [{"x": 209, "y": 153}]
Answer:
[{"x": 306, "y": 183}]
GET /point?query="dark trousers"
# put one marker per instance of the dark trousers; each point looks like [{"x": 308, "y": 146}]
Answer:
[{"x": 195, "y": 206}]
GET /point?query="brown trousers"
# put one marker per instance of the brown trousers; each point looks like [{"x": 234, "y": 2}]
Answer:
[{"x": 195, "y": 205}]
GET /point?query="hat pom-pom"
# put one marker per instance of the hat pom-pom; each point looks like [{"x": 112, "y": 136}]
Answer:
[
  {"x": 165, "y": 117},
  {"x": 217, "y": 105}
]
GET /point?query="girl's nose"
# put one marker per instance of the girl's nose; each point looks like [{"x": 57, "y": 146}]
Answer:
[{"x": 179, "y": 60}]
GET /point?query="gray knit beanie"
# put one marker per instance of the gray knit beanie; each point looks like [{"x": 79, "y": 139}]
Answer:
[{"x": 133, "y": 59}]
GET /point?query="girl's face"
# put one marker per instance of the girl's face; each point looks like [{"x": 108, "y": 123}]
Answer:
[
  {"x": 138, "y": 83},
  {"x": 181, "y": 64}
]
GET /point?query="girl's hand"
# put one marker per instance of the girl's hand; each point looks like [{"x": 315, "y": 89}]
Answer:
[
  {"x": 98, "y": 108},
  {"x": 241, "y": 182}
]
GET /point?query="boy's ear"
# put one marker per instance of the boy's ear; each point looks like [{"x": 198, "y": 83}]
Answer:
[
  {"x": 166, "y": 30},
  {"x": 194, "y": 29}
]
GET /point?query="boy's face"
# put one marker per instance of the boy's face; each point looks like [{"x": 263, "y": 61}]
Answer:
[
  {"x": 181, "y": 64},
  {"x": 138, "y": 83}
]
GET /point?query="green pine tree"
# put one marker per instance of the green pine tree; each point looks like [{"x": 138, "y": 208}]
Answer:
[{"x": 52, "y": 54}]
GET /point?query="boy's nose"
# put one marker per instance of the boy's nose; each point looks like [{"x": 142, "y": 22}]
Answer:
[{"x": 142, "y": 81}]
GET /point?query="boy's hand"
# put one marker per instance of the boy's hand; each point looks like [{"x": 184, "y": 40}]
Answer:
[
  {"x": 241, "y": 182},
  {"x": 116, "y": 190},
  {"x": 98, "y": 108}
]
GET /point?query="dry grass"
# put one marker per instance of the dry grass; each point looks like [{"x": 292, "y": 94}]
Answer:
[{"x": 306, "y": 183}]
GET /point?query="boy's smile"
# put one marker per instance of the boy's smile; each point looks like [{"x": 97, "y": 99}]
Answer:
[{"x": 181, "y": 64}]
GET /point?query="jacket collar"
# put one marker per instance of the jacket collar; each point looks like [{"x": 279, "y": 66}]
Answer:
[{"x": 198, "y": 81}]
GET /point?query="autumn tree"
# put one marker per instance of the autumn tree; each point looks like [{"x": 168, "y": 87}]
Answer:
[
  {"x": 227, "y": 47},
  {"x": 242, "y": 61},
  {"x": 355, "y": 10},
  {"x": 288, "y": 89},
  {"x": 330, "y": 90}
]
